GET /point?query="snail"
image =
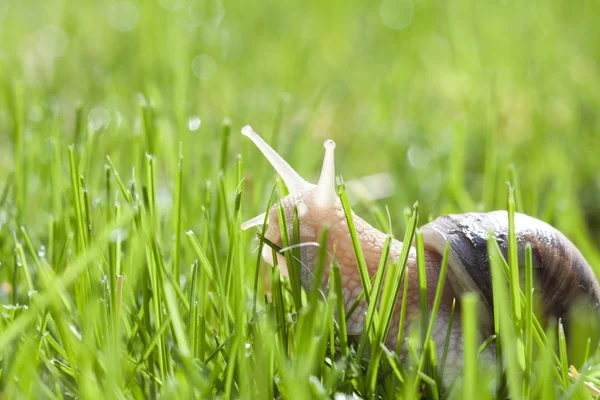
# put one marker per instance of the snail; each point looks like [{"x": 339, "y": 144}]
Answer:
[{"x": 565, "y": 279}]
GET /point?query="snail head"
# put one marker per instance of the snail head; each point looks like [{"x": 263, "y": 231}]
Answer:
[{"x": 317, "y": 205}]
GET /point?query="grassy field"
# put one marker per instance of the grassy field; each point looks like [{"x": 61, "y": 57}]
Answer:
[{"x": 123, "y": 182}]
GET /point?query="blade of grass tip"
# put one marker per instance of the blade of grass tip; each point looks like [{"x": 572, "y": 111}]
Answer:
[
  {"x": 528, "y": 321},
  {"x": 176, "y": 321},
  {"x": 194, "y": 306},
  {"x": 513, "y": 179},
  {"x": 42, "y": 268},
  {"x": 402, "y": 320},
  {"x": 16, "y": 265},
  {"x": 234, "y": 250},
  {"x": 469, "y": 328},
  {"x": 18, "y": 118},
  {"x": 372, "y": 315},
  {"x": 222, "y": 209},
  {"x": 436, "y": 305},
  {"x": 359, "y": 298},
  {"x": 319, "y": 268},
  {"x": 231, "y": 367},
  {"x": 389, "y": 299},
  {"x": 76, "y": 190},
  {"x": 151, "y": 191},
  {"x": 56, "y": 176},
  {"x": 239, "y": 170},
  {"x": 513, "y": 261},
  {"x": 562, "y": 346},
  {"x": 332, "y": 311},
  {"x": 505, "y": 328},
  {"x": 206, "y": 265},
  {"x": 155, "y": 265},
  {"x": 360, "y": 258},
  {"x": 127, "y": 195},
  {"x": 586, "y": 354},
  {"x": 156, "y": 307},
  {"x": 297, "y": 265},
  {"x": 43, "y": 299},
  {"x": 260, "y": 249},
  {"x": 21, "y": 263},
  {"x": 10, "y": 180},
  {"x": 119, "y": 301},
  {"x": 85, "y": 205},
  {"x": 339, "y": 297},
  {"x": 291, "y": 263},
  {"x": 433, "y": 361},
  {"x": 539, "y": 335},
  {"x": 422, "y": 280},
  {"x": 149, "y": 126},
  {"x": 546, "y": 371},
  {"x": 209, "y": 270},
  {"x": 225, "y": 135},
  {"x": 79, "y": 124},
  {"x": 178, "y": 205},
  {"x": 52, "y": 233},
  {"x": 149, "y": 348},
  {"x": 278, "y": 304}
]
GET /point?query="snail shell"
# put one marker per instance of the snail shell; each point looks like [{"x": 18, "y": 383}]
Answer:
[{"x": 564, "y": 278}]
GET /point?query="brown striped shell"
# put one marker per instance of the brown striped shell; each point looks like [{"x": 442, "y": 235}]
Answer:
[{"x": 564, "y": 277}]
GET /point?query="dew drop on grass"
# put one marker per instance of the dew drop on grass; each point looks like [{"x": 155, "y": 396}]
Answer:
[
  {"x": 122, "y": 16},
  {"x": 14, "y": 307},
  {"x": 118, "y": 235},
  {"x": 75, "y": 331},
  {"x": 204, "y": 67},
  {"x": 98, "y": 118},
  {"x": 3, "y": 218},
  {"x": 194, "y": 123},
  {"x": 164, "y": 200},
  {"x": 42, "y": 252},
  {"x": 396, "y": 14}
]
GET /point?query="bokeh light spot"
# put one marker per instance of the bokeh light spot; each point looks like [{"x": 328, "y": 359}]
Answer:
[
  {"x": 122, "y": 16},
  {"x": 172, "y": 5},
  {"x": 396, "y": 14},
  {"x": 194, "y": 123},
  {"x": 52, "y": 42},
  {"x": 204, "y": 67},
  {"x": 98, "y": 118}
]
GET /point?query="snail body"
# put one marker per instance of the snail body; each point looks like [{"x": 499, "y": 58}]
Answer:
[{"x": 564, "y": 278}]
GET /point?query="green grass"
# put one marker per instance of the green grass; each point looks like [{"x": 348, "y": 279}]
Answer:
[{"x": 123, "y": 182}]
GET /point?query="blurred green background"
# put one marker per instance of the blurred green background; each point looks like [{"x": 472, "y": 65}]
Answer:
[{"x": 444, "y": 96}]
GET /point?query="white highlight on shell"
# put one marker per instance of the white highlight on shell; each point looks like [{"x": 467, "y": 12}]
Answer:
[{"x": 302, "y": 209}]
